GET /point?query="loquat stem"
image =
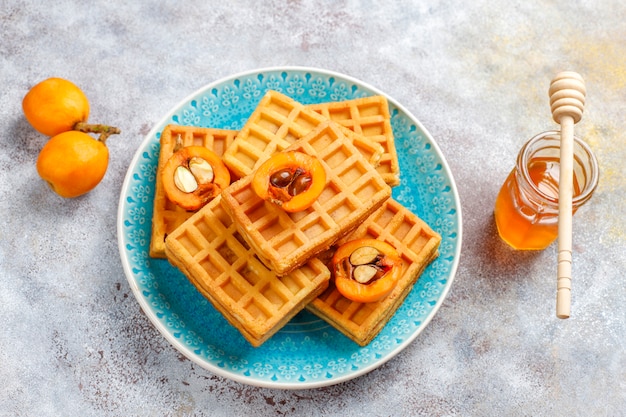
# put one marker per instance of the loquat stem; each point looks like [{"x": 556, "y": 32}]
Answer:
[{"x": 103, "y": 130}]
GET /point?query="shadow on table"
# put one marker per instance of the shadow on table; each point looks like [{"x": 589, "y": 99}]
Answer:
[{"x": 497, "y": 261}]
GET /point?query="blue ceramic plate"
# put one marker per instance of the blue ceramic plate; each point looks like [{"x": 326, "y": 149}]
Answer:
[{"x": 307, "y": 352}]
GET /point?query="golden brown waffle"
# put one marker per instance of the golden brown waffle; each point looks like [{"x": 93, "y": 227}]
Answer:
[
  {"x": 167, "y": 216},
  {"x": 369, "y": 117},
  {"x": 276, "y": 123},
  {"x": 208, "y": 249},
  {"x": 284, "y": 241},
  {"x": 417, "y": 245}
]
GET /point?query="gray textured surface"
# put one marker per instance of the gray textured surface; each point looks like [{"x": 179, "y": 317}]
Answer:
[{"x": 74, "y": 341}]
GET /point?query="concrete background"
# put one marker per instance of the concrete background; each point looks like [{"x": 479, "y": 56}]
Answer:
[{"x": 75, "y": 342}]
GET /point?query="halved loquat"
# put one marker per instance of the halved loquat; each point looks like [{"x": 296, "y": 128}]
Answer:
[{"x": 291, "y": 180}]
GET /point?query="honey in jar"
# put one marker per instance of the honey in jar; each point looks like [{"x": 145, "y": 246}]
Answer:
[{"x": 527, "y": 206}]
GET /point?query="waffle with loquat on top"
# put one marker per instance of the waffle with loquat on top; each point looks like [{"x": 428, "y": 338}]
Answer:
[
  {"x": 208, "y": 249},
  {"x": 417, "y": 245},
  {"x": 284, "y": 241},
  {"x": 167, "y": 216},
  {"x": 276, "y": 123},
  {"x": 369, "y": 117}
]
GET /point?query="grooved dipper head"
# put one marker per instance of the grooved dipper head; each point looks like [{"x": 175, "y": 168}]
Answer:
[{"x": 567, "y": 96}]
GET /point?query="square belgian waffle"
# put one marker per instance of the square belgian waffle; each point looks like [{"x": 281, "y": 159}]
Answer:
[
  {"x": 167, "y": 216},
  {"x": 369, "y": 117},
  {"x": 208, "y": 249},
  {"x": 284, "y": 241},
  {"x": 277, "y": 122},
  {"x": 417, "y": 245}
]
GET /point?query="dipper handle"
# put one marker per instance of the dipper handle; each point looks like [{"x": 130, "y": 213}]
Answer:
[{"x": 567, "y": 102}]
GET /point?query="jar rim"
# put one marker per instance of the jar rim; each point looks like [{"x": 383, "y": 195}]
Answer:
[{"x": 593, "y": 174}]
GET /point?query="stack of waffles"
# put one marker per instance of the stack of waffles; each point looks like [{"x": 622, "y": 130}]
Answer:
[{"x": 260, "y": 265}]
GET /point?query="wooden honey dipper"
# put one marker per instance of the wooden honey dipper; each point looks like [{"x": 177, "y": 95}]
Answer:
[{"x": 567, "y": 101}]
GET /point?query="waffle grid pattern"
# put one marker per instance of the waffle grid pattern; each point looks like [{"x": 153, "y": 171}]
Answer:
[
  {"x": 210, "y": 251},
  {"x": 369, "y": 117},
  {"x": 167, "y": 216},
  {"x": 278, "y": 122},
  {"x": 417, "y": 245},
  {"x": 286, "y": 240}
]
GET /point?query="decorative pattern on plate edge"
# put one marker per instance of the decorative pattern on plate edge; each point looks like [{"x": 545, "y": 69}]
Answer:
[
  {"x": 424, "y": 189},
  {"x": 224, "y": 107}
]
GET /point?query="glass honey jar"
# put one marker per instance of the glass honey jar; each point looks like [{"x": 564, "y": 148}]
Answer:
[{"x": 527, "y": 206}]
